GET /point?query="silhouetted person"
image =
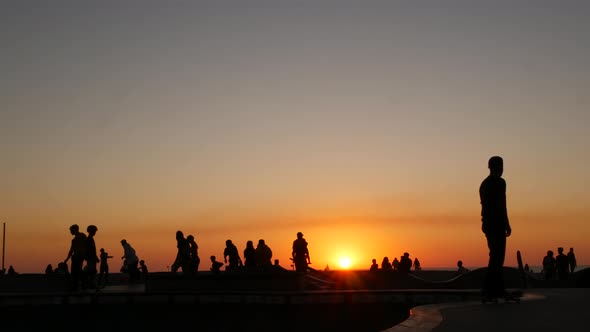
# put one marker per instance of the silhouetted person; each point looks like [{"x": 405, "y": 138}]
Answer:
[
  {"x": 144, "y": 270},
  {"x": 130, "y": 261},
  {"x": 549, "y": 266},
  {"x": 183, "y": 254},
  {"x": 49, "y": 269},
  {"x": 62, "y": 269},
  {"x": 374, "y": 266},
  {"x": 572, "y": 260},
  {"x": 495, "y": 225},
  {"x": 300, "y": 253},
  {"x": 77, "y": 253},
  {"x": 230, "y": 253},
  {"x": 103, "y": 272},
  {"x": 194, "y": 255},
  {"x": 395, "y": 264},
  {"x": 417, "y": 266},
  {"x": 562, "y": 264},
  {"x": 215, "y": 265},
  {"x": 91, "y": 257},
  {"x": 11, "y": 272},
  {"x": 385, "y": 264},
  {"x": 263, "y": 254},
  {"x": 405, "y": 263},
  {"x": 460, "y": 269},
  {"x": 526, "y": 268},
  {"x": 249, "y": 255}
]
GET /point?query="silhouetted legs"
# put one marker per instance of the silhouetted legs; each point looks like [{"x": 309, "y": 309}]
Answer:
[
  {"x": 494, "y": 281},
  {"x": 76, "y": 270}
]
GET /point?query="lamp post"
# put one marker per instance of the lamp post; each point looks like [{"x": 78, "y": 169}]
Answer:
[{"x": 3, "y": 244}]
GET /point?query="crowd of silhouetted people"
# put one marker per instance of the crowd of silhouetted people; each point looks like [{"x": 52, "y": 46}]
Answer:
[
  {"x": 404, "y": 264},
  {"x": 89, "y": 269},
  {"x": 559, "y": 267},
  {"x": 187, "y": 259}
]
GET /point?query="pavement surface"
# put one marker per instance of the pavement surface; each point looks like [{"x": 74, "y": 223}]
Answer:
[{"x": 555, "y": 309}]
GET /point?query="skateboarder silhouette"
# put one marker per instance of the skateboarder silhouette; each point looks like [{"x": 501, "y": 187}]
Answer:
[{"x": 495, "y": 226}]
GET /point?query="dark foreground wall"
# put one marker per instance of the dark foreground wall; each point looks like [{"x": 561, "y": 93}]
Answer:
[{"x": 205, "y": 317}]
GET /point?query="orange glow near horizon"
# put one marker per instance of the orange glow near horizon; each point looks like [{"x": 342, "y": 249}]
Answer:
[
  {"x": 345, "y": 263},
  {"x": 437, "y": 243}
]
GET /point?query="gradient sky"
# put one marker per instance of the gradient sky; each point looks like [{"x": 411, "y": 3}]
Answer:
[{"x": 367, "y": 125}]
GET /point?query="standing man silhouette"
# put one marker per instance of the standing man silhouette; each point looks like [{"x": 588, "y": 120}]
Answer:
[
  {"x": 300, "y": 254},
  {"x": 77, "y": 253},
  {"x": 572, "y": 260},
  {"x": 91, "y": 257},
  {"x": 495, "y": 225}
]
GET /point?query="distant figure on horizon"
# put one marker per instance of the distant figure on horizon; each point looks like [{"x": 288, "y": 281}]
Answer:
[
  {"x": 374, "y": 266},
  {"x": 395, "y": 264},
  {"x": 77, "y": 253},
  {"x": 495, "y": 225},
  {"x": 417, "y": 266},
  {"x": 572, "y": 260},
  {"x": 300, "y": 253},
  {"x": 405, "y": 263},
  {"x": 562, "y": 264},
  {"x": 549, "y": 266},
  {"x": 49, "y": 269},
  {"x": 11, "y": 272},
  {"x": 183, "y": 254},
  {"x": 144, "y": 270},
  {"x": 249, "y": 255},
  {"x": 194, "y": 255},
  {"x": 62, "y": 269},
  {"x": 130, "y": 261},
  {"x": 385, "y": 264},
  {"x": 215, "y": 265},
  {"x": 263, "y": 254},
  {"x": 103, "y": 268},
  {"x": 231, "y": 253},
  {"x": 460, "y": 269},
  {"x": 526, "y": 268},
  {"x": 91, "y": 257}
]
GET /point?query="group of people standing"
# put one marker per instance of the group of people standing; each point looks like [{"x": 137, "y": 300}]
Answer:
[
  {"x": 187, "y": 259},
  {"x": 187, "y": 256},
  {"x": 404, "y": 264},
  {"x": 559, "y": 266}
]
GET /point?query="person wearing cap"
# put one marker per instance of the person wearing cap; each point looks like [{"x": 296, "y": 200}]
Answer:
[
  {"x": 495, "y": 225},
  {"x": 300, "y": 253}
]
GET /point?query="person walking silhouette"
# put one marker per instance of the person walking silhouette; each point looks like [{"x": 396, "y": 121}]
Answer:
[
  {"x": 77, "y": 253},
  {"x": 495, "y": 225}
]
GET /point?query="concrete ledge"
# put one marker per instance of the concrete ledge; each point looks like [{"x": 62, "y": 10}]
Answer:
[{"x": 427, "y": 317}]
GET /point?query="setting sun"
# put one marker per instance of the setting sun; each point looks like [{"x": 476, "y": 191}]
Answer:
[{"x": 345, "y": 262}]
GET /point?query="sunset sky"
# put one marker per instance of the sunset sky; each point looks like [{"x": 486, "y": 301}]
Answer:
[{"x": 366, "y": 125}]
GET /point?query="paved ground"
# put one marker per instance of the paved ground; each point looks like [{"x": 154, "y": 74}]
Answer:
[{"x": 556, "y": 309}]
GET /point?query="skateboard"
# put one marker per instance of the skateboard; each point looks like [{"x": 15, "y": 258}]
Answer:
[{"x": 508, "y": 297}]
